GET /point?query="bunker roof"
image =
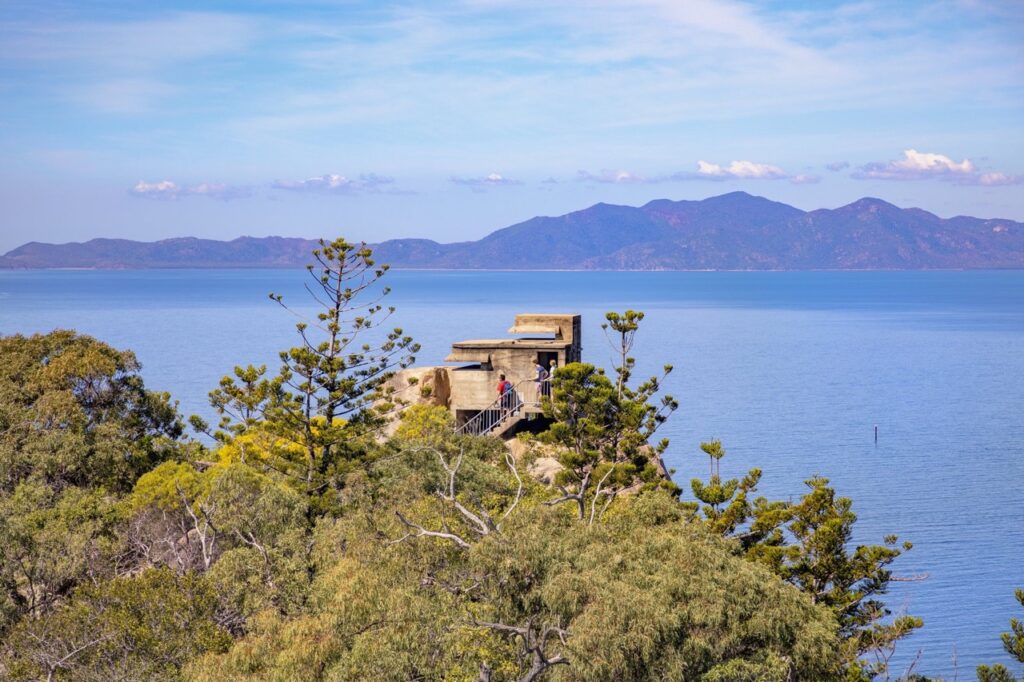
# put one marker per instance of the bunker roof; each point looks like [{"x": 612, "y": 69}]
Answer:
[{"x": 559, "y": 325}]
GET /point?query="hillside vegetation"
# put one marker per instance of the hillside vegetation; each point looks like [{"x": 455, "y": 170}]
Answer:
[{"x": 295, "y": 542}]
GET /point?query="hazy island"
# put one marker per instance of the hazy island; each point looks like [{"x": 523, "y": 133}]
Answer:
[{"x": 735, "y": 231}]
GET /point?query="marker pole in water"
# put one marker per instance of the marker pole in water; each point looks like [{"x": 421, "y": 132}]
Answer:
[{"x": 876, "y": 434}]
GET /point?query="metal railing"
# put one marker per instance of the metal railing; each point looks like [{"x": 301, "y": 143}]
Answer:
[{"x": 507, "y": 405}]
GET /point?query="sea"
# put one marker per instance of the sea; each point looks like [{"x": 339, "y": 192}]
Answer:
[{"x": 793, "y": 371}]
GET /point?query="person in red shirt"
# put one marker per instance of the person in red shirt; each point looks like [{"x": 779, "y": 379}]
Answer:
[{"x": 506, "y": 392}]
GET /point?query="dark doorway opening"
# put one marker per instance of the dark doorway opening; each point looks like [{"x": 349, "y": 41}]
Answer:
[{"x": 546, "y": 357}]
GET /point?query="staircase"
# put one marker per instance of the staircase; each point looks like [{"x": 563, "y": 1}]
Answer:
[{"x": 497, "y": 417}]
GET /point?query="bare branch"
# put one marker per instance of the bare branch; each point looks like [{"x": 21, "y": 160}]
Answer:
[
  {"x": 511, "y": 462},
  {"x": 535, "y": 641},
  {"x": 417, "y": 530},
  {"x": 597, "y": 494}
]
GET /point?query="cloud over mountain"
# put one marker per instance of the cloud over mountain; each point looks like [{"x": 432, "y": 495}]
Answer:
[
  {"x": 917, "y": 165},
  {"x": 334, "y": 183},
  {"x": 615, "y": 177},
  {"x": 735, "y": 170},
  {"x": 169, "y": 190},
  {"x": 489, "y": 180}
]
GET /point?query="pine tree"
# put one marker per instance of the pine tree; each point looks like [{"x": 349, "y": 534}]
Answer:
[
  {"x": 606, "y": 427},
  {"x": 331, "y": 395},
  {"x": 1013, "y": 642},
  {"x": 807, "y": 544},
  {"x": 728, "y": 509}
]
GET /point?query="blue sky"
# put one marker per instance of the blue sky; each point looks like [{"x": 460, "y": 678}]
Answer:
[{"x": 447, "y": 120}]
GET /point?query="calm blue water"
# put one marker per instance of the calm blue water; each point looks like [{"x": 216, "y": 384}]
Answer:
[{"x": 791, "y": 370}]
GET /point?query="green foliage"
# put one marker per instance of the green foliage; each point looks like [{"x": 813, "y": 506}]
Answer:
[
  {"x": 624, "y": 327},
  {"x": 74, "y": 411},
  {"x": 605, "y": 428},
  {"x": 331, "y": 395},
  {"x": 308, "y": 546},
  {"x": 77, "y": 427},
  {"x": 819, "y": 563},
  {"x": 582, "y": 405},
  {"x": 638, "y": 418},
  {"x": 425, "y": 423},
  {"x": 728, "y": 507},
  {"x": 995, "y": 673},
  {"x": 245, "y": 528},
  {"x": 808, "y": 544},
  {"x": 142, "y": 627},
  {"x": 52, "y": 541},
  {"x": 644, "y": 595},
  {"x": 1013, "y": 642}
]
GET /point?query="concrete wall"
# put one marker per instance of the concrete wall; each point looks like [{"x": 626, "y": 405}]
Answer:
[{"x": 473, "y": 388}]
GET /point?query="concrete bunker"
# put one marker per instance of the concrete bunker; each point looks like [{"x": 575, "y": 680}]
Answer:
[{"x": 471, "y": 387}]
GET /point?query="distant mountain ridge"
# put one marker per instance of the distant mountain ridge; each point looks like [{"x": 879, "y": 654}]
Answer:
[{"x": 735, "y": 231}]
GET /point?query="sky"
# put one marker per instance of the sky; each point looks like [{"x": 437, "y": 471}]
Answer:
[{"x": 447, "y": 120}]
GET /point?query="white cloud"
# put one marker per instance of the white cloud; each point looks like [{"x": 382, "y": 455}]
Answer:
[
  {"x": 615, "y": 177},
  {"x": 917, "y": 165},
  {"x": 999, "y": 179},
  {"x": 736, "y": 170},
  {"x": 489, "y": 180},
  {"x": 167, "y": 189},
  {"x": 837, "y": 166},
  {"x": 333, "y": 183}
]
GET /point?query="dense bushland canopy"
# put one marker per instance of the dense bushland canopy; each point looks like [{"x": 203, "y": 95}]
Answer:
[
  {"x": 77, "y": 429},
  {"x": 300, "y": 543}
]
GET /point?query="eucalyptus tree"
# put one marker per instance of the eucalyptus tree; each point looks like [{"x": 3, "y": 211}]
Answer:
[
  {"x": 456, "y": 570},
  {"x": 77, "y": 427},
  {"x": 75, "y": 412},
  {"x": 139, "y": 627}
]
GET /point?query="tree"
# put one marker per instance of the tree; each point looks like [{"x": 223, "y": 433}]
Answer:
[
  {"x": 807, "y": 544},
  {"x": 74, "y": 411},
  {"x": 582, "y": 404},
  {"x": 848, "y": 582},
  {"x": 331, "y": 394},
  {"x": 130, "y": 628},
  {"x": 1013, "y": 642},
  {"x": 625, "y": 325},
  {"x": 729, "y": 511},
  {"x": 50, "y": 542},
  {"x": 229, "y": 520},
  {"x": 643, "y": 595},
  {"x": 605, "y": 428},
  {"x": 77, "y": 427},
  {"x": 638, "y": 417}
]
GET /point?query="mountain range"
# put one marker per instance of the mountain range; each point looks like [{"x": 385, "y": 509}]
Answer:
[{"x": 735, "y": 231}]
